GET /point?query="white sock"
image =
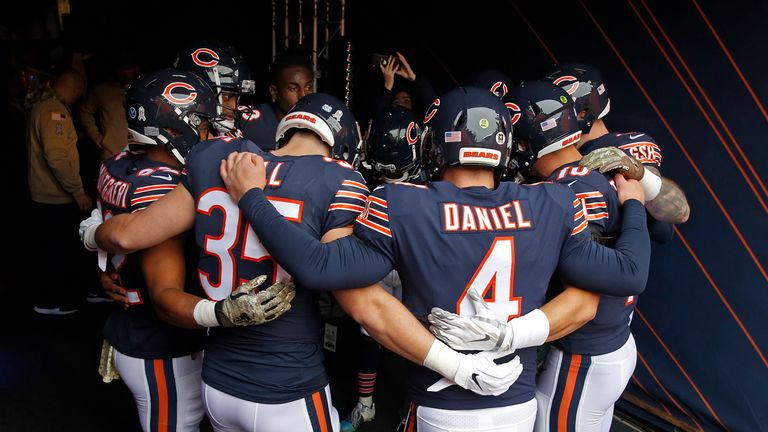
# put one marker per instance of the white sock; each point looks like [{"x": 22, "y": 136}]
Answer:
[{"x": 367, "y": 401}]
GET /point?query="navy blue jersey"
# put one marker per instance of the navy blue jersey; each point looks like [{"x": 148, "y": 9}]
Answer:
[
  {"x": 129, "y": 183},
  {"x": 259, "y": 124},
  {"x": 282, "y": 360},
  {"x": 636, "y": 144},
  {"x": 505, "y": 243},
  {"x": 609, "y": 330}
]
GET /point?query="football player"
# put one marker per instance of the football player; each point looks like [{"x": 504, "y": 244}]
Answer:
[
  {"x": 458, "y": 238},
  {"x": 666, "y": 202},
  {"x": 271, "y": 377},
  {"x": 168, "y": 112}
]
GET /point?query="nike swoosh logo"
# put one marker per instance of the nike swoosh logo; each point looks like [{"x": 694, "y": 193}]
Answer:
[
  {"x": 635, "y": 136},
  {"x": 474, "y": 378},
  {"x": 487, "y": 337},
  {"x": 166, "y": 177}
]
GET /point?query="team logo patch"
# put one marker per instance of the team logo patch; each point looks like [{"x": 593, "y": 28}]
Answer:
[
  {"x": 499, "y": 89},
  {"x": 566, "y": 79},
  {"x": 179, "y": 98},
  {"x": 409, "y": 132},
  {"x": 200, "y": 55},
  {"x": 479, "y": 156},
  {"x": 514, "y": 111},
  {"x": 132, "y": 112},
  {"x": 432, "y": 111}
]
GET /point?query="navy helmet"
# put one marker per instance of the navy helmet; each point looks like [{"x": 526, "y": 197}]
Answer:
[
  {"x": 467, "y": 126},
  {"x": 494, "y": 80},
  {"x": 328, "y": 118},
  {"x": 585, "y": 85},
  {"x": 392, "y": 145},
  {"x": 165, "y": 108},
  {"x": 544, "y": 119},
  {"x": 218, "y": 63}
]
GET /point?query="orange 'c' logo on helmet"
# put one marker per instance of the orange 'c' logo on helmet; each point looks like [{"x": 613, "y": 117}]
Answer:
[
  {"x": 210, "y": 63},
  {"x": 179, "y": 99}
]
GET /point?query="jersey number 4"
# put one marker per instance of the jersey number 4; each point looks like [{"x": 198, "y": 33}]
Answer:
[
  {"x": 232, "y": 233},
  {"x": 496, "y": 273}
]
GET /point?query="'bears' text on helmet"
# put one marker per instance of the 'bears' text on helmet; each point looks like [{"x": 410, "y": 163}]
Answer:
[
  {"x": 328, "y": 118},
  {"x": 467, "y": 126}
]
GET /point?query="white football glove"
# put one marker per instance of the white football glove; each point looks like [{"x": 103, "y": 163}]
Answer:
[
  {"x": 609, "y": 159},
  {"x": 480, "y": 332},
  {"x": 88, "y": 230},
  {"x": 246, "y": 307},
  {"x": 480, "y": 374}
]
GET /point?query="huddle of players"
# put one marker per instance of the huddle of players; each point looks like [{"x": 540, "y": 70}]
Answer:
[{"x": 436, "y": 234}]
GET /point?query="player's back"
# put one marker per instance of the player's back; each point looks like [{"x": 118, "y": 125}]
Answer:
[
  {"x": 444, "y": 240},
  {"x": 609, "y": 330},
  {"x": 282, "y": 360},
  {"x": 129, "y": 183}
]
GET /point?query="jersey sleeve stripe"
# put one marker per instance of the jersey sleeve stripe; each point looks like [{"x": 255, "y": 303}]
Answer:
[
  {"x": 587, "y": 195},
  {"x": 378, "y": 214},
  {"x": 596, "y": 205},
  {"x": 347, "y": 207},
  {"x": 597, "y": 216},
  {"x": 374, "y": 226},
  {"x": 353, "y": 195},
  {"x": 148, "y": 198},
  {"x": 580, "y": 227},
  {"x": 355, "y": 184},
  {"x": 378, "y": 201},
  {"x": 154, "y": 188}
]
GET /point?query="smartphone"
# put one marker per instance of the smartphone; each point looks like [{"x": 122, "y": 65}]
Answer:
[{"x": 382, "y": 59}]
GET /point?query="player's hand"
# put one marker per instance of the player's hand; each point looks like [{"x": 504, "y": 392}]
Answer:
[
  {"x": 610, "y": 159},
  {"x": 246, "y": 307},
  {"x": 88, "y": 230},
  {"x": 480, "y": 374},
  {"x": 109, "y": 281},
  {"x": 242, "y": 172},
  {"x": 480, "y": 332},
  {"x": 629, "y": 189}
]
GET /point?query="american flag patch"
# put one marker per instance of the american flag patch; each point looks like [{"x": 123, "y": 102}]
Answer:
[
  {"x": 58, "y": 116},
  {"x": 548, "y": 124},
  {"x": 454, "y": 136}
]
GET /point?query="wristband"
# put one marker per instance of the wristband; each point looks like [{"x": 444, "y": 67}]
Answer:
[
  {"x": 442, "y": 360},
  {"x": 205, "y": 313},
  {"x": 530, "y": 330},
  {"x": 651, "y": 184}
]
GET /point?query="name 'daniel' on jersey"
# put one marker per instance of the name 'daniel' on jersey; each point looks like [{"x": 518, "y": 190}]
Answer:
[{"x": 514, "y": 215}]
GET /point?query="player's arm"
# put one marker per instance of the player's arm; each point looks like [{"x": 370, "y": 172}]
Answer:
[
  {"x": 169, "y": 216},
  {"x": 164, "y": 269},
  {"x": 341, "y": 264},
  {"x": 621, "y": 271},
  {"x": 665, "y": 200}
]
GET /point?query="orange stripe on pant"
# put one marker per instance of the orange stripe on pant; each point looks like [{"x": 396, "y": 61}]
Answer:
[
  {"x": 570, "y": 385},
  {"x": 320, "y": 410},
  {"x": 162, "y": 395}
]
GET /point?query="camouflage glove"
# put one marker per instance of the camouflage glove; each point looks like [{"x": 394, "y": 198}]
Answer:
[
  {"x": 610, "y": 159},
  {"x": 246, "y": 307}
]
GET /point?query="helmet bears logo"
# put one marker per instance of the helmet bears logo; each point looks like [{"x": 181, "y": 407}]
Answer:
[
  {"x": 210, "y": 63},
  {"x": 175, "y": 99},
  {"x": 565, "y": 79}
]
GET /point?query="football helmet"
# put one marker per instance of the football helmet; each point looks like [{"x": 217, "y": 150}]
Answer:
[
  {"x": 544, "y": 121},
  {"x": 585, "y": 85},
  {"x": 494, "y": 80},
  {"x": 165, "y": 107},
  {"x": 391, "y": 146},
  {"x": 329, "y": 119},
  {"x": 467, "y": 126},
  {"x": 224, "y": 69}
]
